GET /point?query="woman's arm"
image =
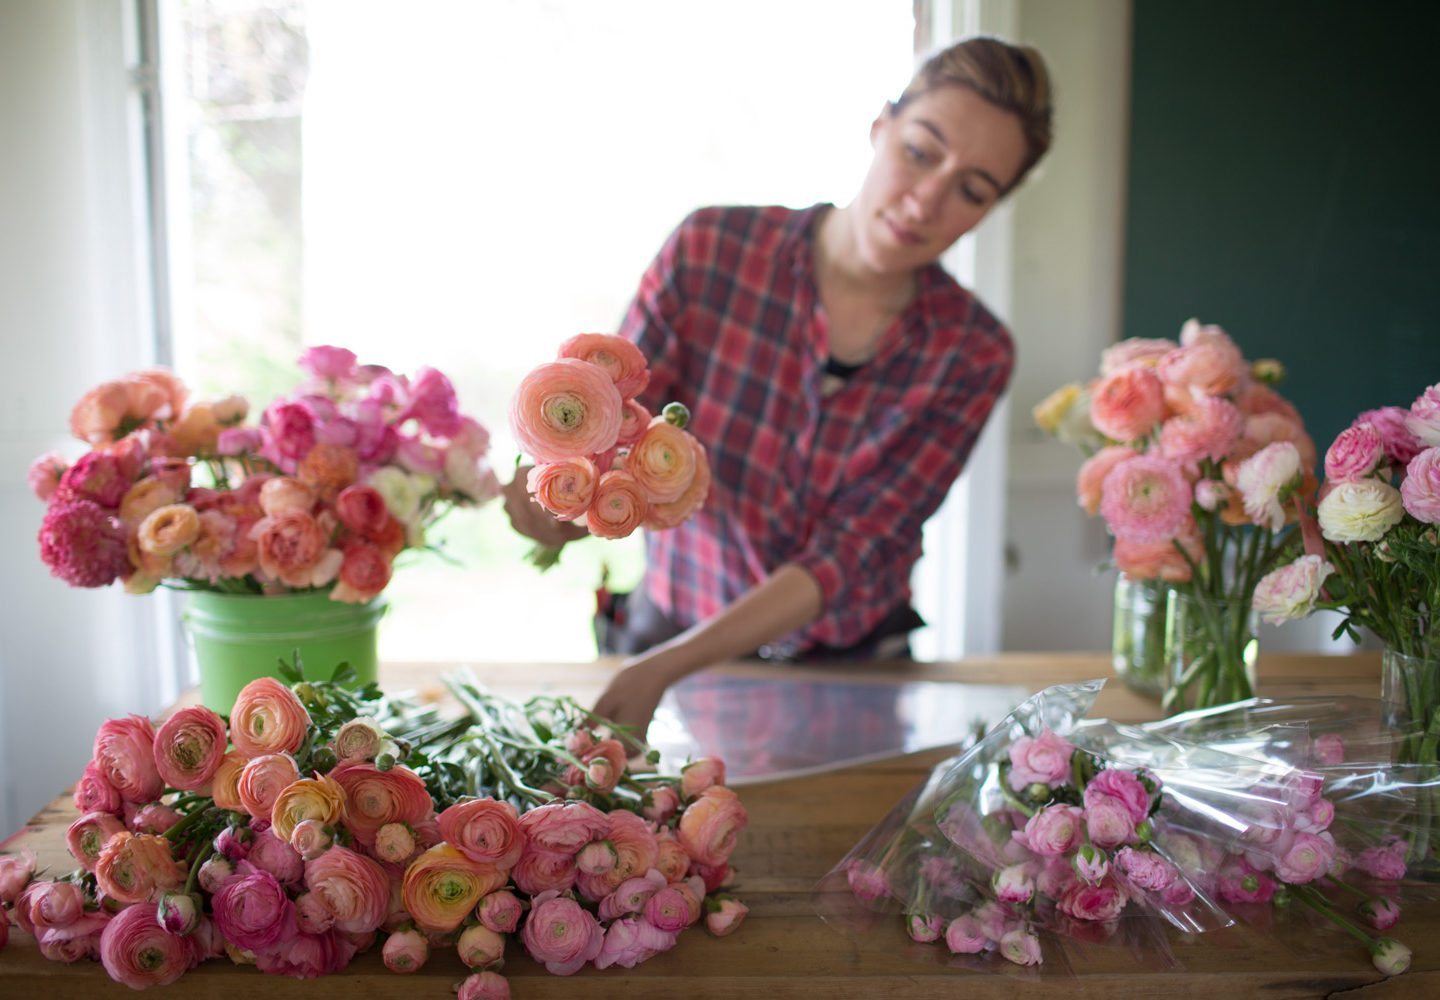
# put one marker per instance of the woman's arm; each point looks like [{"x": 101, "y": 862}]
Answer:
[{"x": 788, "y": 599}]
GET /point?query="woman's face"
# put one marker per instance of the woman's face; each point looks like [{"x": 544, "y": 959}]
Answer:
[{"x": 941, "y": 163}]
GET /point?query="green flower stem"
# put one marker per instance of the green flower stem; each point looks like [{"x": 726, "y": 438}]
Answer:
[
  {"x": 173, "y": 834},
  {"x": 1012, "y": 798},
  {"x": 200, "y": 859},
  {"x": 1317, "y": 902}
]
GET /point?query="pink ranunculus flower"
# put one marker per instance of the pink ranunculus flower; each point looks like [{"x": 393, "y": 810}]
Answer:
[
  {"x": 311, "y": 838},
  {"x": 312, "y": 915},
  {"x": 1145, "y": 869},
  {"x": 1021, "y": 946},
  {"x": 1055, "y": 876},
  {"x": 597, "y": 857},
  {"x": 307, "y": 956},
  {"x": 1329, "y": 749},
  {"x": 124, "y": 752},
  {"x": 138, "y": 952},
  {"x": 1146, "y": 351},
  {"x": 563, "y": 826},
  {"x": 1091, "y": 477},
  {"x": 45, "y": 474},
  {"x": 154, "y": 818},
  {"x": 1014, "y": 884},
  {"x": 253, "y": 911},
  {"x": 353, "y": 887},
  {"x": 1127, "y": 404},
  {"x": 1307, "y": 858},
  {"x": 637, "y": 850},
  {"x": 560, "y": 934},
  {"x": 620, "y": 359},
  {"x": 1160, "y": 560},
  {"x": 179, "y": 913},
  {"x": 634, "y": 419},
  {"x": 668, "y": 909},
  {"x": 663, "y": 516},
  {"x": 71, "y": 943},
  {"x": 99, "y": 476},
  {"x": 500, "y": 911},
  {"x": 1424, "y": 418},
  {"x": 868, "y": 881},
  {"x": 1108, "y": 822},
  {"x": 262, "y": 779},
  {"x": 480, "y": 947},
  {"x": 333, "y": 364},
  {"x": 1420, "y": 492},
  {"x": 395, "y": 843},
  {"x": 1206, "y": 365},
  {"x": 285, "y": 493},
  {"x": 83, "y": 544},
  {"x": 291, "y": 547},
  {"x": 661, "y": 802},
  {"x": 964, "y": 936},
  {"x": 85, "y": 837},
  {"x": 1355, "y": 454},
  {"x": 433, "y": 403},
  {"x": 1091, "y": 864},
  {"x": 539, "y": 870},
  {"x": 1265, "y": 480},
  {"x": 1290, "y": 592},
  {"x": 605, "y": 765},
  {"x": 671, "y": 860},
  {"x": 484, "y": 986},
  {"x": 632, "y": 940},
  {"x": 374, "y": 798},
  {"x": 406, "y": 951},
  {"x": 1146, "y": 499},
  {"x": 710, "y": 826},
  {"x": 1084, "y": 901},
  {"x": 271, "y": 854},
  {"x": 1209, "y": 429},
  {"x": 1124, "y": 787},
  {"x": 189, "y": 747},
  {"x": 1360, "y": 512},
  {"x": 1053, "y": 830},
  {"x": 1212, "y": 494},
  {"x": 215, "y": 872},
  {"x": 566, "y": 408},
  {"x": 50, "y": 905},
  {"x": 1241, "y": 882},
  {"x": 485, "y": 830},
  {"x": 701, "y": 774},
  {"x": 565, "y": 488},
  {"x": 1044, "y": 760},
  {"x": 724, "y": 914},
  {"x": 924, "y": 928},
  {"x": 663, "y": 461},
  {"x": 94, "y": 793},
  {"x": 1389, "y": 422}
]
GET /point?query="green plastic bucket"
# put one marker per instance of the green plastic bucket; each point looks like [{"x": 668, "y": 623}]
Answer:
[{"x": 239, "y": 637}]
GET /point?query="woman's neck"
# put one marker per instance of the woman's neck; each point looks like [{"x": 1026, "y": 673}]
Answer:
[{"x": 839, "y": 270}]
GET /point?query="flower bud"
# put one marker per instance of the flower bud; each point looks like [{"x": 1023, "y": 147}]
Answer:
[
  {"x": 1390, "y": 956},
  {"x": 1037, "y": 791},
  {"x": 924, "y": 929},
  {"x": 178, "y": 913},
  {"x": 233, "y": 842},
  {"x": 214, "y": 873},
  {"x": 1145, "y": 831},
  {"x": 500, "y": 911},
  {"x": 1282, "y": 897},
  {"x": 724, "y": 914},
  {"x": 677, "y": 414},
  {"x": 481, "y": 948},
  {"x": 309, "y": 696},
  {"x": 1380, "y": 913},
  {"x": 597, "y": 857},
  {"x": 1090, "y": 863},
  {"x": 323, "y": 760},
  {"x": 311, "y": 838},
  {"x": 406, "y": 951},
  {"x": 1013, "y": 884}
]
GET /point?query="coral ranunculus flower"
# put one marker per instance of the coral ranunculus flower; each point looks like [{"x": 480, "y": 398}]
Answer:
[
  {"x": 374, "y": 798},
  {"x": 566, "y": 408},
  {"x": 442, "y": 886},
  {"x": 661, "y": 516},
  {"x": 662, "y": 461},
  {"x": 619, "y": 507},
  {"x": 621, "y": 360},
  {"x": 189, "y": 747},
  {"x": 566, "y": 489},
  {"x": 1127, "y": 405},
  {"x": 321, "y": 799},
  {"x": 267, "y": 718}
]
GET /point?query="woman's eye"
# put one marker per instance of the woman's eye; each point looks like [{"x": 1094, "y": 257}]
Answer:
[
  {"x": 916, "y": 154},
  {"x": 971, "y": 195}
]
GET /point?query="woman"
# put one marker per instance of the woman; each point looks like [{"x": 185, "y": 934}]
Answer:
[{"x": 838, "y": 378}]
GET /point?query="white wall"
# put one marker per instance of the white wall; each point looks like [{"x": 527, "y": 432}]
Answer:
[{"x": 72, "y": 312}]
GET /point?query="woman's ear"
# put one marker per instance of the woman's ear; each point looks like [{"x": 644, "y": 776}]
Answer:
[{"x": 886, "y": 114}]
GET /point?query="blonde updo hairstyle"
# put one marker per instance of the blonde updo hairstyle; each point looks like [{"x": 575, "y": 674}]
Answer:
[{"x": 1011, "y": 77}]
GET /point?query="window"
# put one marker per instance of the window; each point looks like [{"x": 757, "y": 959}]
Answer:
[{"x": 465, "y": 185}]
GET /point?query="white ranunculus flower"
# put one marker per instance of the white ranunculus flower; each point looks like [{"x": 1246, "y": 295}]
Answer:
[
  {"x": 401, "y": 491},
  {"x": 1289, "y": 593},
  {"x": 1360, "y": 512}
]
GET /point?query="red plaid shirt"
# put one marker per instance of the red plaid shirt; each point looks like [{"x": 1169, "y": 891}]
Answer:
[{"x": 728, "y": 317}]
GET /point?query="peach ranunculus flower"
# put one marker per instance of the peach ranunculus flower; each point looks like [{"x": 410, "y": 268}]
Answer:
[
  {"x": 166, "y": 530},
  {"x": 563, "y": 827},
  {"x": 124, "y": 752},
  {"x": 619, "y": 507},
  {"x": 637, "y": 849},
  {"x": 321, "y": 799},
  {"x": 189, "y": 747},
  {"x": 328, "y": 469},
  {"x": 484, "y": 830},
  {"x": 267, "y": 718},
  {"x": 564, "y": 488},
  {"x": 358, "y": 740},
  {"x": 263, "y": 779},
  {"x": 132, "y": 867},
  {"x": 1091, "y": 477},
  {"x": 291, "y": 547},
  {"x": 353, "y": 888},
  {"x": 1126, "y": 405},
  {"x": 282, "y": 493},
  {"x": 442, "y": 886},
  {"x": 566, "y": 408},
  {"x": 112, "y": 410},
  {"x": 1160, "y": 560},
  {"x": 89, "y": 834},
  {"x": 225, "y": 783},
  {"x": 146, "y": 496},
  {"x": 661, "y": 516},
  {"x": 1144, "y": 351},
  {"x": 374, "y": 798},
  {"x": 621, "y": 360},
  {"x": 634, "y": 418},
  {"x": 364, "y": 572},
  {"x": 1209, "y": 429},
  {"x": 662, "y": 461},
  {"x": 205, "y": 557},
  {"x": 711, "y": 824}
]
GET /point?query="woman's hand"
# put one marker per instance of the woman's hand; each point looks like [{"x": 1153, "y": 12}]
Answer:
[
  {"x": 533, "y": 521},
  {"x": 633, "y": 694}
]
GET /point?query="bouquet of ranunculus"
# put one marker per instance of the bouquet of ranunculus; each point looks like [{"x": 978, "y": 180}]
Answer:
[
  {"x": 600, "y": 456},
  {"x": 1193, "y": 461},
  {"x": 1103, "y": 833},
  {"x": 320, "y": 821},
  {"x": 333, "y": 482},
  {"x": 1372, "y": 552}
]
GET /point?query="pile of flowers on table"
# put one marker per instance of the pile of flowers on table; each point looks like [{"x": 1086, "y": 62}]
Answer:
[
  {"x": 1094, "y": 833},
  {"x": 320, "y": 822},
  {"x": 600, "y": 456},
  {"x": 1193, "y": 461},
  {"x": 334, "y": 481}
]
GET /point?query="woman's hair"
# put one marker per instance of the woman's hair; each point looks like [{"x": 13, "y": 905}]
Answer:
[{"x": 1012, "y": 77}]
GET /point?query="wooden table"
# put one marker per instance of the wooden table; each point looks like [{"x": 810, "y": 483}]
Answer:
[{"x": 798, "y": 830}]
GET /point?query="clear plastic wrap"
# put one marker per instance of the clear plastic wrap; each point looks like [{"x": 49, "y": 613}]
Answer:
[{"x": 1055, "y": 836}]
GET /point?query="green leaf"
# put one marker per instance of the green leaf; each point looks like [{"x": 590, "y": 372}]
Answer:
[{"x": 344, "y": 673}]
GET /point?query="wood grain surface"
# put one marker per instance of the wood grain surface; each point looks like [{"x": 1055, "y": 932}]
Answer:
[{"x": 798, "y": 830}]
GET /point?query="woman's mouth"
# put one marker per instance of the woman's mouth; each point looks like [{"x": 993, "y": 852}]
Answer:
[{"x": 903, "y": 236}]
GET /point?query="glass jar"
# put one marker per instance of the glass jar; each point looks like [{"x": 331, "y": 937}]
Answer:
[
  {"x": 1137, "y": 644},
  {"x": 1211, "y": 646}
]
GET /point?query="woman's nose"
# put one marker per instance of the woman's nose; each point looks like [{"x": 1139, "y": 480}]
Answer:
[{"x": 925, "y": 198}]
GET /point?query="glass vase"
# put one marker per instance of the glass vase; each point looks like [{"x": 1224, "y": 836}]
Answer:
[
  {"x": 1137, "y": 644},
  {"x": 1211, "y": 645},
  {"x": 1410, "y": 698}
]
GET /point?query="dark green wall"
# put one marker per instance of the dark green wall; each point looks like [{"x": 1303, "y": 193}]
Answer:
[{"x": 1284, "y": 183}]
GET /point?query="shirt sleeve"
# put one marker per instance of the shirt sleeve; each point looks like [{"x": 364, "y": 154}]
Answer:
[
  {"x": 865, "y": 547},
  {"x": 657, "y": 315}
]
